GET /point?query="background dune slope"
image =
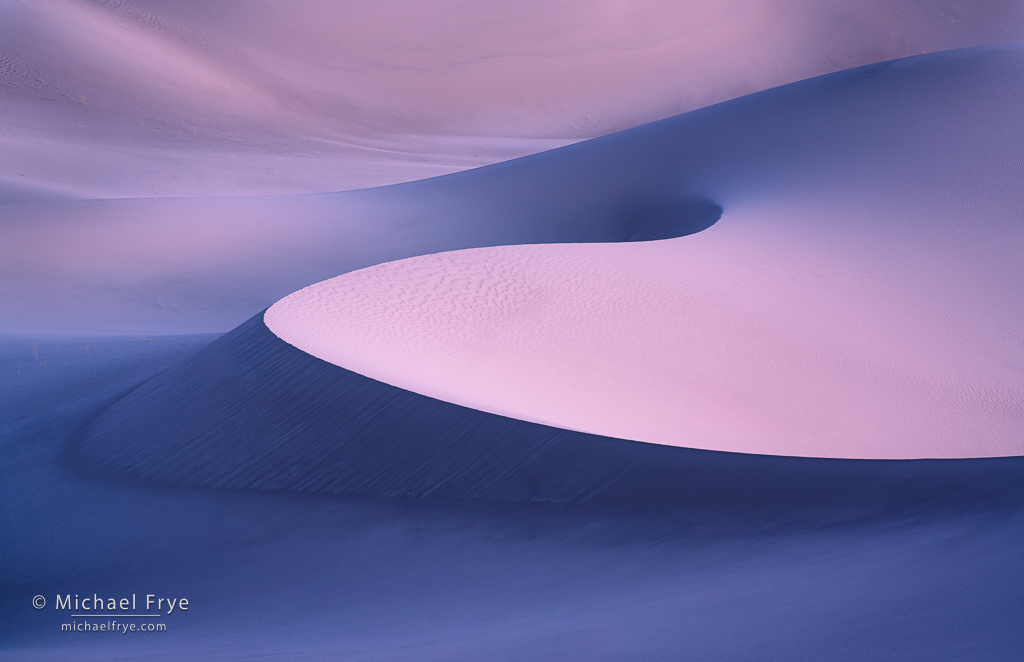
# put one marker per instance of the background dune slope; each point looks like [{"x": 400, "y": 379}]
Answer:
[
  {"x": 142, "y": 98},
  {"x": 836, "y": 168}
]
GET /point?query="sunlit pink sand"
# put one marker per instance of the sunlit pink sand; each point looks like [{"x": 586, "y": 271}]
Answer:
[{"x": 745, "y": 337}]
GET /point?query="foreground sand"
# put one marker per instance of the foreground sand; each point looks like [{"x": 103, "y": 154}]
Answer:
[{"x": 839, "y": 574}]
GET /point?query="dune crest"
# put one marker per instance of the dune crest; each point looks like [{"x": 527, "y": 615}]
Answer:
[
  {"x": 860, "y": 297},
  {"x": 143, "y": 98},
  {"x": 867, "y": 262}
]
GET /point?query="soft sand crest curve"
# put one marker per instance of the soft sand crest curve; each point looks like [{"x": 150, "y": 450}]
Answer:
[
  {"x": 706, "y": 341},
  {"x": 867, "y": 304}
]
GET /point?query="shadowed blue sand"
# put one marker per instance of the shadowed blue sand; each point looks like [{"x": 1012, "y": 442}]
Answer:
[
  {"x": 928, "y": 567},
  {"x": 252, "y": 412}
]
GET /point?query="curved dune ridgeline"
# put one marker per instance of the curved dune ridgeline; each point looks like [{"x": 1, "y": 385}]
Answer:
[{"x": 252, "y": 412}]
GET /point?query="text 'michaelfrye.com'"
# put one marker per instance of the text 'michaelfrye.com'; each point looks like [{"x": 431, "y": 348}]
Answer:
[{"x": 112, "y": 609}]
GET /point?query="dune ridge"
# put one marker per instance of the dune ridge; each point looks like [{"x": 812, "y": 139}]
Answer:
[
  {"x": 145, "y": 98},
  {"x": 252, "y": 412},
  {"x": 858, "y": 298},
  {"x": 932, "y": 139}
]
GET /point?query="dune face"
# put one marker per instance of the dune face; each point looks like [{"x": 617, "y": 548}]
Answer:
[
  {"x": 862, "y": 302},
  {"x": 154, "y": 98},
  {"x": 705, "y": 342},
  {"x": 251, "y": 412},
  {"x": 927, "y": 553}
]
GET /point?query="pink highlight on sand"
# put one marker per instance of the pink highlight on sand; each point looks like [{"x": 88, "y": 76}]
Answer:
[{"x": 747, "y": 337}]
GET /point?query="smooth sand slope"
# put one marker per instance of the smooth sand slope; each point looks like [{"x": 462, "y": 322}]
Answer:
[
  {"x": 251, "y": 411},
  {"x": 923, "y": 574},
  {"x": 719, "y": 340},
  {"x": 143, "y": 98}
]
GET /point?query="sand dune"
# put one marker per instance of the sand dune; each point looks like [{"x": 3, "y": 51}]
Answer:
[
  {"x": 863, "y": 299},
  {"x": 252, "y": 412},
  {"x": 716, "y": 341},
  {"x": 933, "y": 139},
  {"x": 859, "y": 298},
  {"x": 911, "y": 571},
  {"x": 148, "y": 98},
  {"x": 859, "y": 235}
]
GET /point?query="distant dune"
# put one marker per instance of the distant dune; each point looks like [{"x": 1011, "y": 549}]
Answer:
[
  {"x": 848, "y": 166},
  {"x": 144, "y": 98}
]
